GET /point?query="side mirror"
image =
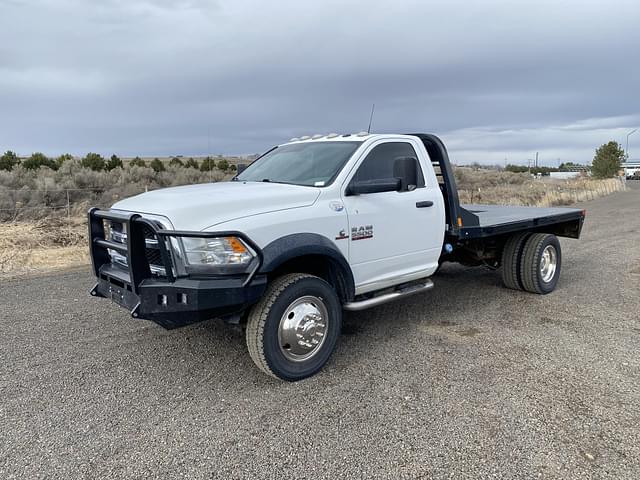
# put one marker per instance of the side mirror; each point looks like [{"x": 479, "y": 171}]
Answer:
[
  {"x": 241, "y": 167},
  {"x": 374, "y": 186}
]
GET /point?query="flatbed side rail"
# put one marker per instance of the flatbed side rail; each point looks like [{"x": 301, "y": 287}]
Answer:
[{"x": 567, "y": 224}]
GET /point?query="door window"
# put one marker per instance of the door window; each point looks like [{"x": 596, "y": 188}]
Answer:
[{"x": 392, "y": 160}]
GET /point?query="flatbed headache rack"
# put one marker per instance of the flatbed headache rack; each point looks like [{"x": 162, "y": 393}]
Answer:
[{"x": 468, "y": 222}]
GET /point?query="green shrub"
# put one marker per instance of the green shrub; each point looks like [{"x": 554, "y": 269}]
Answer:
[
  {"x": 223, "y": 165},
  {"x": 191, "y": 163},
  {"x": 37, "y": 160},
  {"x": 157, "y": 165},
  {"x": 8, "y": 160},
  {"x": 207, "y": 164},
  {"x": 94, "y": 161},
  {"x": 114, "y": 162},
  {"x": 137, "y": 162},
  {"x": 63, "y": 158},
  {"x": 176, "y": 162}
]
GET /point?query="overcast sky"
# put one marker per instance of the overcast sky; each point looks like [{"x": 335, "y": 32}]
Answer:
[{"x": 495, "y": 79}]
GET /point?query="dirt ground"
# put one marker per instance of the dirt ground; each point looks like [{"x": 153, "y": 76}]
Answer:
[{"x": 468, "y": 381}]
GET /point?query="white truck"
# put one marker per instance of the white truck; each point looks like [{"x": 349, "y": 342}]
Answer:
[{"x": 313, "y": 227}]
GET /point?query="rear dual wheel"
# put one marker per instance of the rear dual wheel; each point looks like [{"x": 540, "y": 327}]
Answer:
[
  {"x": 511, "y": 257},
  {"x": 532, "y": 262}
]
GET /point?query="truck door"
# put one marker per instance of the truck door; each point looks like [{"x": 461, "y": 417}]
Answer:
[{"x": 395, "y": 236}]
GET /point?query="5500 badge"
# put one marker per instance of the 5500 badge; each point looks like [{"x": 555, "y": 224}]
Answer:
[{"x": 361, "y": 233}]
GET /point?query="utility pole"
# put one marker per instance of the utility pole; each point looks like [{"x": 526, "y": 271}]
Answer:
[
  {"x": 536, "y": 159},
  {"x": 626, "y": 149},
  {"x": 209, "y": 153}
]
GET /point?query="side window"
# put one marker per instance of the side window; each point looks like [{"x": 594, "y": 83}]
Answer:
[{"x": 392, "y": 160}]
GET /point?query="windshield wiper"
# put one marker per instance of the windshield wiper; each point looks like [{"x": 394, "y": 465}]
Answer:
[{"x": 268, "y": 180}]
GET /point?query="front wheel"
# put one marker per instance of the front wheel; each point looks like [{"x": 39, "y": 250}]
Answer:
[{"x": 293, "y": 329}]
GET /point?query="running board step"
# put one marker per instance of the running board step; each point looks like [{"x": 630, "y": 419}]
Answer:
[{"x": 388, "y": 297}]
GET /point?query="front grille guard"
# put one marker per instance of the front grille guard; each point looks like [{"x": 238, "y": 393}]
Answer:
[{"x": 134, "y": 249}]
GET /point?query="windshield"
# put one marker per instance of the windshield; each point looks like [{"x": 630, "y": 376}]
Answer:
[{"x": 310, "y": 164}]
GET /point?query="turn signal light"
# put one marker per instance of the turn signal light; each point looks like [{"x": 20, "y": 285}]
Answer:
[{"x": 237, "y": 245}]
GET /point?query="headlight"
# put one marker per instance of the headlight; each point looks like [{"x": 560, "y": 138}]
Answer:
[{"x": 221, "y": 254}]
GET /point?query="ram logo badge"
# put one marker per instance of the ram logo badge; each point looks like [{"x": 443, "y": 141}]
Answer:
[
  {"x": 336, "y": 206},
  {"x": 342, "y": 235},
  {"x": 361, "y": 233}
]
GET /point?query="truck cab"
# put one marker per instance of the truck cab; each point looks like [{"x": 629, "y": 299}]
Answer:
[{"x": 313, "y": 227}]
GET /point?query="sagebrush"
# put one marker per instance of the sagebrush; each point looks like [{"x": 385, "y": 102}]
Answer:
[
  {"x": 27, "y": 194},
  {"x": 34, "y": 194}
]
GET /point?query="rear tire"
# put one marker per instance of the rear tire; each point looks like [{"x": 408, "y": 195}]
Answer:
[
  {"x": 292, "y": 331},
  {"x": 511, "y": 260},
  {"x": 541, "y": 262}
]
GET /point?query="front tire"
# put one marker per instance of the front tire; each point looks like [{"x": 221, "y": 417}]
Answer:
[
  {"x": 541, "y": 262},
  {"x": 293, "y": 329}
]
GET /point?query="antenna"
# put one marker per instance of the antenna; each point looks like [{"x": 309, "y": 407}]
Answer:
[{"x": 373, "y": 108}]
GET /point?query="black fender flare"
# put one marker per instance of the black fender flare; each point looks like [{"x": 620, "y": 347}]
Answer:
[{"x": 296, "y": 245}]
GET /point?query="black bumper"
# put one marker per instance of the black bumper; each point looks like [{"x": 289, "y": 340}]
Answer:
[
  {"x": 170, "y": 301},
  {"x": 183, "y": 301}
]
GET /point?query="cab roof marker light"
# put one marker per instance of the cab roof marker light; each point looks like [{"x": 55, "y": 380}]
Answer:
[
  {"x": 333, "y": 135},
  {"x": 305, "y": 137},
  {"x": 317, "y": 136},
  {"x": 294, "y": 139},
  {"x": 362, "y": 134}
]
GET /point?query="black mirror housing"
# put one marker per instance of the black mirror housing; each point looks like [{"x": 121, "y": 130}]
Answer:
[{"x": 374, "y": 186}]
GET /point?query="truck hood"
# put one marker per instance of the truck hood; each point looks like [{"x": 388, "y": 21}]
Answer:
[{"x": 196, "y": 207}]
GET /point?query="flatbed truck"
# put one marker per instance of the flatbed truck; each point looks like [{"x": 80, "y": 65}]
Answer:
[{"x": 312, "y": 228}]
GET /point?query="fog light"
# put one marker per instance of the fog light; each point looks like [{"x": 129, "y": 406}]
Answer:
[{"x": 162, "y": 300}]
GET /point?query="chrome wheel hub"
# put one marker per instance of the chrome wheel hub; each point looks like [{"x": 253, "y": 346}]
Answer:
[
  {"x": 303, "y": 328},
  {"x": 548, "y": 263}
]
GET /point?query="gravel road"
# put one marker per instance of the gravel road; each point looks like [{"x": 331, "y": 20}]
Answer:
[{"x": 467, "y": 381}]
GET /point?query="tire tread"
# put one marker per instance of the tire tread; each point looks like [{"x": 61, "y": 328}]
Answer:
[
  {"x": 258, "y": 317},
  {"x": 511, "y": 259},
  {"x": 529, "y": 265}
]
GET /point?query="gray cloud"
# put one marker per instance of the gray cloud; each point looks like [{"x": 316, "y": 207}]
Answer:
[{"x": 496, "y": 79}]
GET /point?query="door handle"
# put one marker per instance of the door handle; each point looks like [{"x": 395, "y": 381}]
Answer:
[{"x": 426, "y": 203}]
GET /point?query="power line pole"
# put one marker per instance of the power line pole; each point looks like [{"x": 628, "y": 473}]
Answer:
[
  {"x": 626, "y": 150},
  {"x": 209, "y": 153}
]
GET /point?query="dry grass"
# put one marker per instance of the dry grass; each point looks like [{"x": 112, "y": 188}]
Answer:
[
  {"x": 55, "y": 243},
  {"x": 41, "y": 246},
  {"x": 505, "y": 188}
]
